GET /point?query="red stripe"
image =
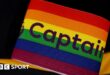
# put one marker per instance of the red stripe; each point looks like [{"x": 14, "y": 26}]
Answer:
[
  {"x": 70, "y": 13},
  {"x": 50, "y": 63}
]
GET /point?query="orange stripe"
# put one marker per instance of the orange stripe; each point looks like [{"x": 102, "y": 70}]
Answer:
[
  {"x": 70, "y": 13},
  {"x": 67, "y": 23},
  {"x": 105, "y": 67}
]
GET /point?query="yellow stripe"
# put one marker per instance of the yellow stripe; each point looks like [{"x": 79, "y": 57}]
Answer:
[
  {"x": 67, "y": 23},
  {"x": 28, "y": 23}
]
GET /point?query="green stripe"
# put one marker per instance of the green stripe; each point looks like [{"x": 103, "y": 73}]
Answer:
[{"x": 26, "y": 35}]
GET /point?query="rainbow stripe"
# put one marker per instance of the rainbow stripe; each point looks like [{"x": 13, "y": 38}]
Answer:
[{"x": 63, "y": 20}]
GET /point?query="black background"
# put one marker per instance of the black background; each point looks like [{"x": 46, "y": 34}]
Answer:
[{"x": 11, "y": 17}]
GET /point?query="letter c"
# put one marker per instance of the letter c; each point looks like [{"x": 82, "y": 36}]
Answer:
[{"x": 32, "y": 27}]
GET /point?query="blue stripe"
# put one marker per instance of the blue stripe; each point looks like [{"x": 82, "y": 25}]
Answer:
[{"x": 58, "y": 55}]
